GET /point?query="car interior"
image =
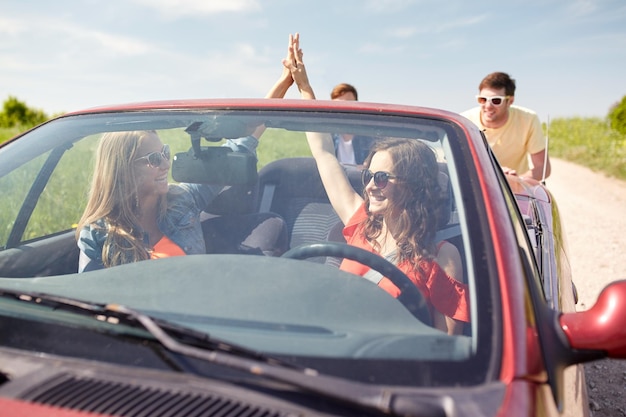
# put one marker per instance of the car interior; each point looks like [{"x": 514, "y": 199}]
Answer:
[{"x": 288, "y": 187}]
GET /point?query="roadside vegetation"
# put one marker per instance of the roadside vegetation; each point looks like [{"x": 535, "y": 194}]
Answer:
[
  {"x": 599, "y": 144},
  {"x": 17, "y": 117},
  {"x": 590, "y": 142}
]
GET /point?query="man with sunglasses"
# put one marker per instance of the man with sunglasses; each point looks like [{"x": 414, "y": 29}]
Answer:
[{"x": 513, "y": 132}]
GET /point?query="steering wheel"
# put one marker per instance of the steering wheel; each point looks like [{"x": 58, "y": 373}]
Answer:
[{"x": 410, "y": 296}]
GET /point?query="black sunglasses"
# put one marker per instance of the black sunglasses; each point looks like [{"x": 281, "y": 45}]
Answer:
[
  {"x": 381, "y": 178},
  {"x": 155, "y": 159}
]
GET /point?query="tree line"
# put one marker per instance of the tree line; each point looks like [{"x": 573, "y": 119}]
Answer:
[
  {"x": 16, "y": 113},
  {"x": 617, "y": 116}
]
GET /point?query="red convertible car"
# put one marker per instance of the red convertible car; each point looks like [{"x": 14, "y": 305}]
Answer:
[{"x": 264, "y": 319}]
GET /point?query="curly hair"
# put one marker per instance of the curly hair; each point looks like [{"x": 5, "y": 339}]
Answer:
[{"x": 415, "y": 213}]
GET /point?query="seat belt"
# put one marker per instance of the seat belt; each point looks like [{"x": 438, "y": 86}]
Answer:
[
  {"x": 375, "y": 276},
  {"x": 267, "y": 197}
]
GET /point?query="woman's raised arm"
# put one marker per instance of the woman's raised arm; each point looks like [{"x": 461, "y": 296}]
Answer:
[{"x": 342, "y": 196}]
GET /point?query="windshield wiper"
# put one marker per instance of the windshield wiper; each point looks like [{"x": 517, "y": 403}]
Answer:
[
  {"x": 201, "y": 346},
  {"x": 114, "y": 314}
]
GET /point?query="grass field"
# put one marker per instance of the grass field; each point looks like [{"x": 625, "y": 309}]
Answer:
[
  {"x": 589, "y": 142},
  {"x": 8, "y": 133},
  {"x": 63, "y": 200},
  {"x": 586, "y": 141}
]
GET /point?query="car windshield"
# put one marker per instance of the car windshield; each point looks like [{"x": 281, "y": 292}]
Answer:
[{"x": 270, "y": 275}]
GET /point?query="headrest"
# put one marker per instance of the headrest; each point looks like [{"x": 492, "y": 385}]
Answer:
[{"x": 299, "y": 177}]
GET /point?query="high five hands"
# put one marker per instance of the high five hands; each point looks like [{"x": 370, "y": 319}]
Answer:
[{"x": 294, "y": 63}]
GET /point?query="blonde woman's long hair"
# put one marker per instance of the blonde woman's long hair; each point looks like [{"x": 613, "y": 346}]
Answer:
[
  {"x": 415, "y": 206},
  {"x": 113, "y": 197}
]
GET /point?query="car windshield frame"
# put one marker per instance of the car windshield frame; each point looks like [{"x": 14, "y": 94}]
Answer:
[{"x": 51, "y": 140}]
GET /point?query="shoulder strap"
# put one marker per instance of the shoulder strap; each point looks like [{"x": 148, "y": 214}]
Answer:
[{"x": 376, "y": 276}]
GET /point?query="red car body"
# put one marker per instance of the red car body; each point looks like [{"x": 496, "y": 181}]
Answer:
[{"x": 539, "y": 341}]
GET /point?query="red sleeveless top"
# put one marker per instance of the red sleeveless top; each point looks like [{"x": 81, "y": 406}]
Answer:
[
  {"x": 165, "y": 248},
  {"x": 442, "y": 292}
]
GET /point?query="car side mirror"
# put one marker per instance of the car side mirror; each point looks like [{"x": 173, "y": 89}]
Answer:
[{"x": 601, "y": 328}]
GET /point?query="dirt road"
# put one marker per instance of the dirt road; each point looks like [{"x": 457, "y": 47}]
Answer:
[{"x": 592, "y": 208}]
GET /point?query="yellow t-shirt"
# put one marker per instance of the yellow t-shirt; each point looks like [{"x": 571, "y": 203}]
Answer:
[{"x": 514, "y": 142}]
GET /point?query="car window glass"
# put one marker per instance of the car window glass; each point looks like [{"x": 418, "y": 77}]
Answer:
[
  {"x": 63, "y": 200},
  {"x": 15, "y": 186},
  {"x": 281, "y": 143},
  {"x": 260, "y": 302}
]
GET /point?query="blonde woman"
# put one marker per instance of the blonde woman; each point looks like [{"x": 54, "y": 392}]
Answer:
[{"x": 134, "y": 214}]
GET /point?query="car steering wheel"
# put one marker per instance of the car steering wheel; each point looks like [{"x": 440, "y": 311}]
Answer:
[{"x": 410, "y": 296}]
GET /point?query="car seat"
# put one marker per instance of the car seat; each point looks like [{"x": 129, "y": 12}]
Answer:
[{"x": 292, "y": 188}]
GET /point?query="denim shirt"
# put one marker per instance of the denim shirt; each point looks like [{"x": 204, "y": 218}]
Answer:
[{"x": 181, "y": 222}]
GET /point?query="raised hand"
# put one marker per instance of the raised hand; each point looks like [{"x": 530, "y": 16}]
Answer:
[{"x": 295, "y": 64}]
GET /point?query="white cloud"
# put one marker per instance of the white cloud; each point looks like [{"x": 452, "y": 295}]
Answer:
[
  {"x": 241, "y": 64},
  {"x": 460, "y": 23},
  {"x": 16, "y": 64},
  {"x": 179, "y": 8},
  {"x": 380, "y": 49},
  {"x": 113, "y": 43},
  {"x": 592, "y": 13},
  {"x": 582, "y": 7},
  {"x": 387, "y": 6},
  {"x": 402, "y": 33},
  {"x": 63, "y": 31},
  {"x": 12, "y": 27},
  {"x": 448, "y": 26}
]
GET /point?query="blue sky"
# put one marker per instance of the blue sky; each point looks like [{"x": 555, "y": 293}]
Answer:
[{"x": 568, "y": 56}]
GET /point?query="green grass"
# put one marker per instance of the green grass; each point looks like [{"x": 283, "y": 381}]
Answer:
[
  {"x": 589, "y": 142},
  {"x": 8, "y": 133},
  {"x": 63, "y": 200},
  {"x": 586, "y": 141}
]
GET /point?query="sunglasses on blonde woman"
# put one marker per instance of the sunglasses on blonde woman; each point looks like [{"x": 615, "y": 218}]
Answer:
[
  {"x": 381, "y": 178},
  {"x": 495, "y": 100},
  {"x": 155, "y": 159}
]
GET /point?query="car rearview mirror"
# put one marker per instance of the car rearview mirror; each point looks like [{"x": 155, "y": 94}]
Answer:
[{"x": 214, "y": 165}]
